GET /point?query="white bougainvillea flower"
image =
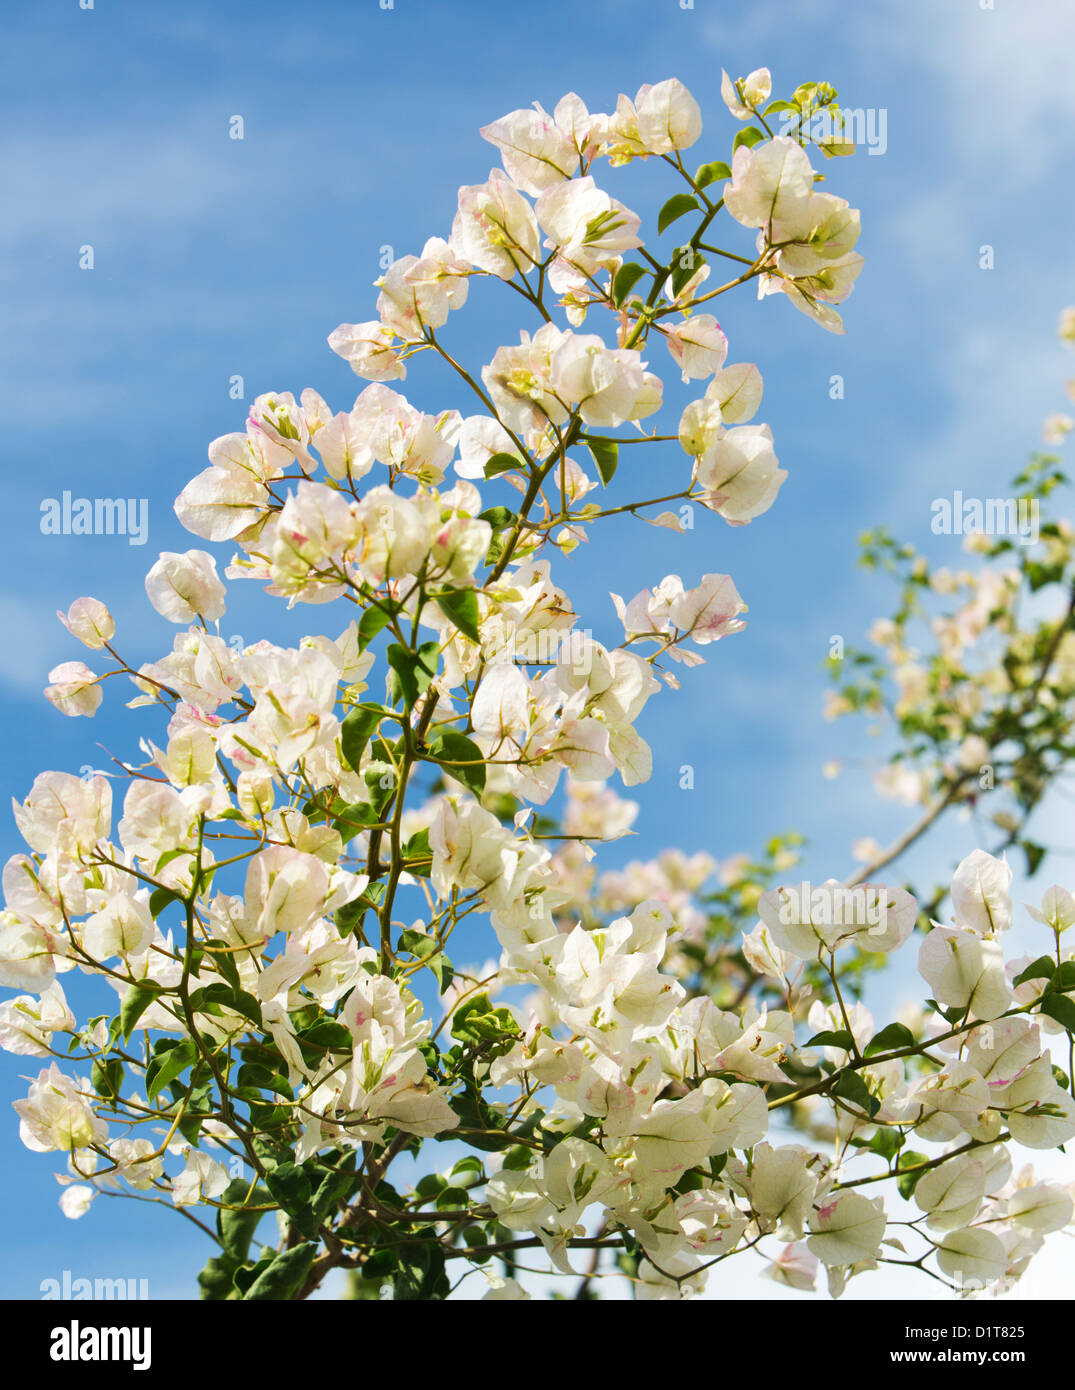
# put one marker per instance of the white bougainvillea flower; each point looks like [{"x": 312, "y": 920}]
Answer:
[
  {"x": 123, "y": 926},
  {"x": 794, "y": 1266},
  {"x": 952, "y": 1193},
  {"x": 1057, "y": 909},
  {"x": 495, "y": 228},
  {"x": 972, "y": 1258},
  {"x": 90, "y": 621},
  {"x": 371, "y": 350},
  {"x": 772, "y": 186},
  {"x": 744, "y": 96},
  {"x": 343, "y": 443},
  {"x": 184, "y": 586},
  {"x": 224, "y": 500},
  {"x": 64, "y": 809},
  {"x": 203, "y": 1178},
  {"x": 741, "y": 474},
  {"x": 540, "y": 151},
  {"x": 737, "y": 390},
  {"x": 806, "y": 918},
  {"x": 58, "y": 1114},
  {"x": 503, "y": 1290},
  {"x": 698, "y": 346},
  {"x": 1041, "y": 1208},
  {"x": 847, "y": 1228},
  {"x": 1001, "y": 1051},
  {"x": 76, "y": 1201},
  {"x": 782, "y": 1186},
  {"x": 73, "y": 688},
  {"x": 393, "y": 537},
  {"x": 700, "y": 426},
  {"x": 585, "y": 226},
  {"x": 710, "y": 611},
  {"x": 965, "y": 971},
  {"x": 668, "y": 117},
  {"x": 279, "y": 418},
  {"x": 981, "y": 900},
  {"x": 27, "y": 1023},
  {"x": 418, "y": 292}
]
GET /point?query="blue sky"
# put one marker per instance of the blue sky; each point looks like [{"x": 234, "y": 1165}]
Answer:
[{"x": 215, "y": 257}]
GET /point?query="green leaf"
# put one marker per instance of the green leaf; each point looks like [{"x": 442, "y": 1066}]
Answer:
[
  {"x": 357, "y": 729},
  {"x": 477, "y": 1021},
  {"x": 952, "y": 1015},
  {"x": 224, "y": 964},
  {"x": 710, "y": 173},
  {"x": 1034, "y": 855},
  {"x": 253, "y": 1076},
  {"x": 418, "y": 848},
  {"x": 331, "y": 1190},
  {"x": 1060, "y": 1007},
  {"x": 160, "y": 898},
  {"x": 841, "y": 1038},
  {"x": 166, "y": 1066},
  {"x": 214, "y": 999},
  {"x": 1065, "y": 977},
  {"x": 217, "y": 1279},
  {"x": 284, "y": 1275},
  {"x": 851, "y": 1087},
  {"x": 894, "y": 1036},
  {"x": 420, "y": 1274},
  {"x": 269, "y": 1152},
  {"x": 107, "y": 1078},
  {"x": 750, "y": 135},
  {"x": 469, "y": 1171},
  {"x": 454, "y": 747},
  {"x": 327, "y": 1033},
  {"x": 351, "y": 914},
  {"x": 606, "y": 454},
  {"x": 461, "y": 606},
  {"x": 428, "y": 950},
  {"x": 685, "y": 267},
  {"x": 499, "y": 518},
  {"x": 503, "y": 463},
  {"x": 414, "y": 670},
  {"x": 886, "y": 1142},
  {"x": 370, "y": 624},
  {"x": 291, "y": 1188},
  {"x": 135, "y": 1002},
  {"x": 418, "y": 944},
  {"x": 626, "y": 278},
  {"x": 1041, "y": 969},
  {"x": 236, "y": 1228},
  {"x": 677, "y": 205},
  {"x": 352, "y": 820},
  {"x": 909, "y": 1181}
]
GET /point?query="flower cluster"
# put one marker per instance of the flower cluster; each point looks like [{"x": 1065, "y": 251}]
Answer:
[{"x": 242, "y": 897}]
